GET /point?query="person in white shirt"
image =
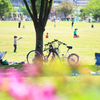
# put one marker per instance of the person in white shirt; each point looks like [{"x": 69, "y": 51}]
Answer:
[
  {"x": 15, "y": 43},
  {"x": 19, "y": 23}
]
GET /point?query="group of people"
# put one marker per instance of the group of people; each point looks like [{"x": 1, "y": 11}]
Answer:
[
  {"x": 47, "y": 35},
  {"x": 75, "y": 31}
]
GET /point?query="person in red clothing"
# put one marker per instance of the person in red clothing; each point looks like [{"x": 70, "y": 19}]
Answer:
[{"x": 47, "y": 36}]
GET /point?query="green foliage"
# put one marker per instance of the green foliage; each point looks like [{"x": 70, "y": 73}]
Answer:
[
  {"x": 5, "y": 6},
  {"x": 24, "y": 10},
  {"x": 66, "y": 8},
  {"x": 84, "y": 13},
  {"x": 93, "y": 7},
  {"x": 38, "y": 5}
]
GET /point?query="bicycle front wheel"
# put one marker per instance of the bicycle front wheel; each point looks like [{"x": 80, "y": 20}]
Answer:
[
  {"x": 73, "y": 59},
  {"x": 34, "y": 57}
]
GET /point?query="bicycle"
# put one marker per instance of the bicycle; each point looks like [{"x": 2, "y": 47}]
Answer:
[
  {"x": 72, "y": 58},
  {"x": 39, "y": 58},
  {"x": 35, "y": 57}
]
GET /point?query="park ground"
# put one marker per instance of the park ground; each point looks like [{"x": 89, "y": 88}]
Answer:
[
  {"x": 85, "y": 46},
  {"x": 77, "y": 87}
]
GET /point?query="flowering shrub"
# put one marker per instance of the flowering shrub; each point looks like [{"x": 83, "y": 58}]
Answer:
[{"x": 48, "y": 83}]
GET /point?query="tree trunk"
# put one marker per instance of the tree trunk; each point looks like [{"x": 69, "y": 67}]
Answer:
[
  {"x": 96, "y": 17},
  {"x": 39, "y": 39},
  {"x": 65, "y": 15}
]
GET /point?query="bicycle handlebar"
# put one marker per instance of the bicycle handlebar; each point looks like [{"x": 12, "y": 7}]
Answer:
[
  {"x": 55, "y": 40},
  {"x": 60, "y": 42},
  {"x": 50, "y": 42}
]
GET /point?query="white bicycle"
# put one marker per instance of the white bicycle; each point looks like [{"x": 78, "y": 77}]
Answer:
[{"x": 72, "y": 58}]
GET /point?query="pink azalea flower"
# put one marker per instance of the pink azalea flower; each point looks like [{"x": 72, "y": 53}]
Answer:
[
  {"x": 14, "y": 75},
  {"x": 43, "y": 93},
  {"x": 19, "y": 90},
  {"x": 49, "y": 93},
  {"x": 1, "y": 78},
  {"x": 32, "y": 70}
]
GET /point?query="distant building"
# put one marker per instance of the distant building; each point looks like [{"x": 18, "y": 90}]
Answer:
[
  {"x": 76, "y": 2},
  {"x": 17, "y": 3},
  {"x": 82, "y": 3},
  {"x": 57, "y": 2}
]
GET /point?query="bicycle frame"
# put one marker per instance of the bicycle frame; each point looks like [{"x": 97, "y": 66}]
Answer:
[
  {"x": 64, "y": 56},
  {"x": 50, "y": 51}
]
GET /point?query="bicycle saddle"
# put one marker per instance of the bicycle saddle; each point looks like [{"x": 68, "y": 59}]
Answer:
[{"x": 69, "y": 47}]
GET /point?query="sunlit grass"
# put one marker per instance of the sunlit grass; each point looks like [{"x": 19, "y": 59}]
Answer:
[
  {"x": 85, "y": 46},
  {"x": 83, "y": 87}
]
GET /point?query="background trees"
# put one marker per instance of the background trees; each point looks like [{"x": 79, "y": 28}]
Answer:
[
  {"x": 66, "y": 8},
  {"x": 93, "y": 7},
  {"x": 5, "y": 6},
  {"x": 24, "y": 10}
]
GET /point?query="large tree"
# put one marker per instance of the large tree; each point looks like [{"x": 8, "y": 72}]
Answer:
[
  {"x": 66, "y": 8},
  {"x": 93, "y": 7},
  {"x": 39, "y": 19},
  {"x": 5, "y": 6}
]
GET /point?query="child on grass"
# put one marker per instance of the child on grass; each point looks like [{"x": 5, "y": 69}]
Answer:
[
  {"x": 15, "y": 43},
  {"x": 47, "y": 36},
  {"x": 75, "y": 33}
]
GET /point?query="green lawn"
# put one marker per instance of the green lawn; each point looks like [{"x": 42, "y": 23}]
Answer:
[
  {"x": 85, "y": 46},
  {"x": 69, "y": 88}
]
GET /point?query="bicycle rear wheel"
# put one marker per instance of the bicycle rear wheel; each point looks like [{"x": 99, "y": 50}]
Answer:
[
  {"x": 34, "y": 57},
  {"x": 73, "y": 59}
]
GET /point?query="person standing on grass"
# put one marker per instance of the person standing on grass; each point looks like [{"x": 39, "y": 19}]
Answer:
[
  {"x": 19, "y": 23},
  {"x": 15, "y": 43},
  {"x": 72, "y": 22},
  {"x": 92, "y": 26},
  {"x": 54, "y": 24}
]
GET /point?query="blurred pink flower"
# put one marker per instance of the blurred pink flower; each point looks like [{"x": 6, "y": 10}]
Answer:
[
  {"x": 1, "y": 78},
  {"x": 19, "y": 90},
  {"x": 32, "y": 70},
  {"x": 43, "y": 93},
  {"x": 49, "y": 93},
  {"x": 14, "y": 75}
]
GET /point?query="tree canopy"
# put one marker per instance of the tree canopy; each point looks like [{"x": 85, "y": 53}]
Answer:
[
  {"x": 66, "y": 8},
  {"x": 24, "y": 10},
  {"x": 5, "y": 6},
  {"x": 93, "y": 7}
]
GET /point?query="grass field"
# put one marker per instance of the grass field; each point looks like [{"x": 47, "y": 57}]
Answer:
[{"x": 85, "y": 46}]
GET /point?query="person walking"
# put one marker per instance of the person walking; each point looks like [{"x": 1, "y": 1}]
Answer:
[
  {"x": 72, "y": 22},
  {"x": 54, "y": 24},
  {"x": 19, "y": 23}
]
